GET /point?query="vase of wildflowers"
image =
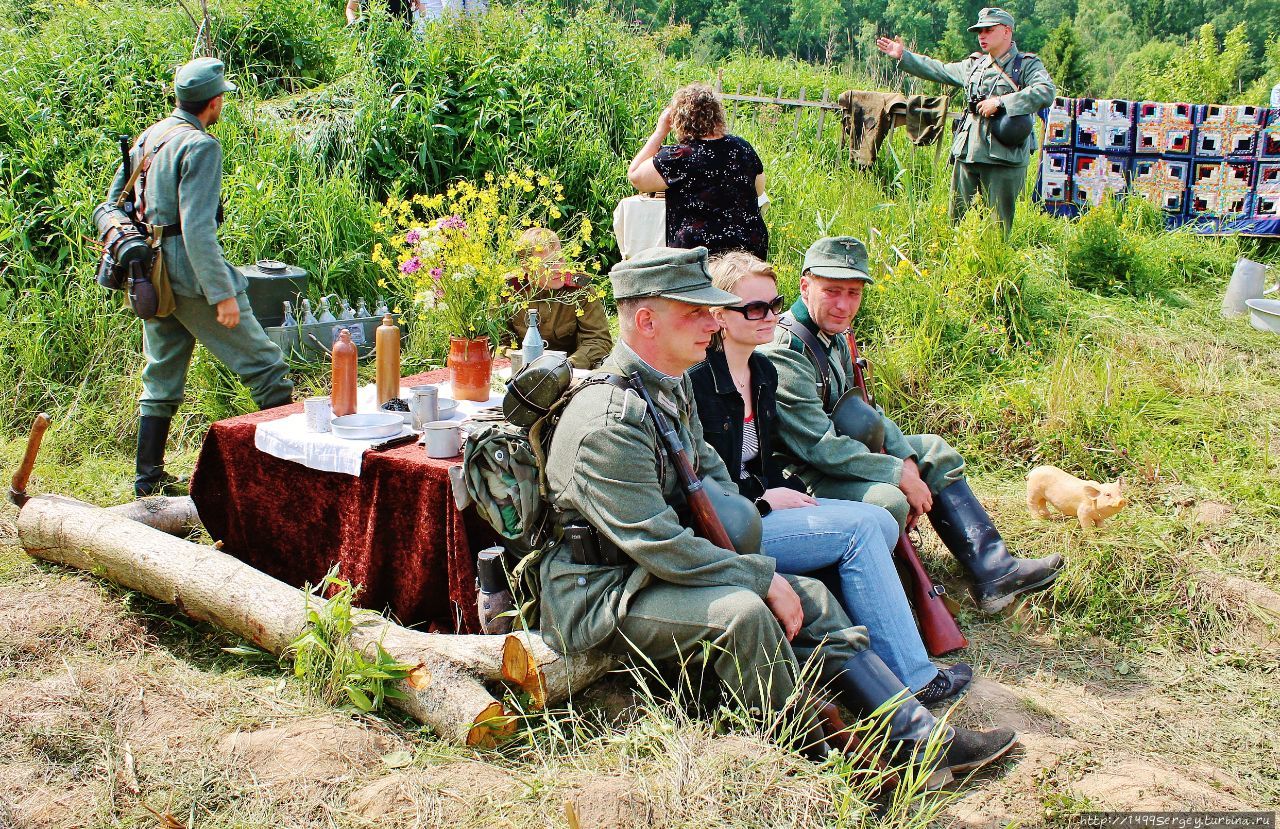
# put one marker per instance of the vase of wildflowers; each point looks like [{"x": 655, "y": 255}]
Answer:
[{"x": 453, "y": 254}]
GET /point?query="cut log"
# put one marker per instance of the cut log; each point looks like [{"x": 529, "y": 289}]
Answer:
[{"x": 447, "y": 691}]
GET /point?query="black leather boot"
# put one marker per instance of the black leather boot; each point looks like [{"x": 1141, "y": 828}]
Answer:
[
  {"x": 151, "y": 479},
  {"x": 966, "y": 530},
  {"x": 865, "y": 683}
]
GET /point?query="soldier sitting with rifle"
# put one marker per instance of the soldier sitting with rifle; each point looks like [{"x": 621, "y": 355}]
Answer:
[
  {"x": 914, "y": 475},
  {"x": 633, "y": 579}
]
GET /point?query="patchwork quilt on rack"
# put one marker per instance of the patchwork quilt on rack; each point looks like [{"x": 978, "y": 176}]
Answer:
[{"x": 1213, "y": 167}]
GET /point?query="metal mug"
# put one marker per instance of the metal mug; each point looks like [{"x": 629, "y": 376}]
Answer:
[
  {"x": 424, "y": 403},
  {"x": 318, "y": 412},
  {"x": 443, "y": 439}
]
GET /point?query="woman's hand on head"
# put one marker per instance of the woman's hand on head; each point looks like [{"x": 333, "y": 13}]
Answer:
[
  {"x": 781, "y": 497},
  {"x": 664, "y": 122}
]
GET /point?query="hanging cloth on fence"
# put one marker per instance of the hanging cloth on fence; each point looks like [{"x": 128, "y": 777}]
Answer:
[{"x": 869, "y": 117}]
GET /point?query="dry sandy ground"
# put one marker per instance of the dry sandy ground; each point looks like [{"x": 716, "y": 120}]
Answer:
[{"x": 108, "y": 706}]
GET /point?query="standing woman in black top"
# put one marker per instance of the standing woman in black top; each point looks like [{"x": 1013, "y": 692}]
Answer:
[{"x": 713, "y": 181}]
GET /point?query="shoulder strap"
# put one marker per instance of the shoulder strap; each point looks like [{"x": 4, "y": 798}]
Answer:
[
  {"x": 817, "y": 354},
  {"x": 147, "y": 156},
  {"x": 1016, "y": 77}
]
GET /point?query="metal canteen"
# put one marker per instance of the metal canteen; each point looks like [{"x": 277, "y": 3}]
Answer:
[
  {"x": 739, "y": 516},
  {"x": 532, "y": 392},
  {"x": 853, "y": 418}
]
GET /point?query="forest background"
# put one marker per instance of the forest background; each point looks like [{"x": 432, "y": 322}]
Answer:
[{"x": 1163, "y": 50}]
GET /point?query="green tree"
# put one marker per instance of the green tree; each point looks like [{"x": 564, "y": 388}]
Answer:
[
  {"x": 1065, "y": 59},
  {"x": 1209, "y": 74}
]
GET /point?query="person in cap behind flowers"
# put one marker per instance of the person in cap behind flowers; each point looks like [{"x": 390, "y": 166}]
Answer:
[
  {"x": 916, "y": 474},
  {"x": 179, "y": 191},
  {"x": 999, "y": 80},
  {"x": 642, "y": 584}
]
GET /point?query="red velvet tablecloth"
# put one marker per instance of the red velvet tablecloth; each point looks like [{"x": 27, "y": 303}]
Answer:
[{"x": 394, "y": 529}]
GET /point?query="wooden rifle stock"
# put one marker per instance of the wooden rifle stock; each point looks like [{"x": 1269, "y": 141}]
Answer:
[
  {"x": 705, "y": 519},
  {"x": 938, "y": 627}
]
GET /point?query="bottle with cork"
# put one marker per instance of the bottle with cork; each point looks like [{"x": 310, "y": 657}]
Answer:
[
  {"x": 387, "y": 346},
  {"x": 342, "y": 396}
]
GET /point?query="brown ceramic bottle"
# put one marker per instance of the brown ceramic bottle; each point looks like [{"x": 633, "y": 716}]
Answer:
[
  {"x": 387, "y": 343},
  {"x": 343, "y": 394}
]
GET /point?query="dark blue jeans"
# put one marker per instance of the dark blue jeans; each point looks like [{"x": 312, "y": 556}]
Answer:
[{"x": 857, "y": 539}]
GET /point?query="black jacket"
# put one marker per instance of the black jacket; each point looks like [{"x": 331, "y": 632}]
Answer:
[{"x": 721, "y": 411}]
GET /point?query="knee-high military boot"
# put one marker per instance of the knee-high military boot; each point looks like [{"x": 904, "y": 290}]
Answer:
[
  {"x": 865, "y": 683},
  {"x": 151, "y": 479},
  {"x": 967, "y": 531}
]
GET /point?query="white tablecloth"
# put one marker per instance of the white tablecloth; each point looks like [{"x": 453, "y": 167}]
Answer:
[{"x": 288, "y": 438}]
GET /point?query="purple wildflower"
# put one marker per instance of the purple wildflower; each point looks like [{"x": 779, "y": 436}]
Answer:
[
  {"x": 412, "y": 236},
  {"x": 452, "y": 223},
  {"x": 436, "y": 273},
  {"x": 411, "y": 266}
]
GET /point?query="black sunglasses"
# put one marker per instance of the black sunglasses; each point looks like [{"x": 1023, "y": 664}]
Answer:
[{"x": 759, "y": 309}]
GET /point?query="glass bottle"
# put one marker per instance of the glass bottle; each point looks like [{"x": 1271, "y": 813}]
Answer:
[
  {"x": 533, "y": 345},
  {"x": 308, "y": 318},
  {"x": 289, "y": 321}
]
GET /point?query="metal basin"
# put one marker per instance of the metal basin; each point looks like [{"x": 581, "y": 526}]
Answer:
[
  {"x": 369, "y": 426},
  {"x": 1264, "y": 314}
]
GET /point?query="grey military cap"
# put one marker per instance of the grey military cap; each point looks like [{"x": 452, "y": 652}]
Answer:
[
  {"x": 992, "y": 16},
  {"x": 673, "y": 273},
  {"x": 837, "y": 257},
  {"x": 201, "y": 79}
]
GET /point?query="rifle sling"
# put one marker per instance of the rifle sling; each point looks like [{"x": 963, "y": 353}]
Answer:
[{"x": 817, "y": 355}]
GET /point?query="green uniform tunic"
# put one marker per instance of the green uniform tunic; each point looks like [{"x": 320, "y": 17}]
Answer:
[
  {"x": 982, "y": 163},
  {"x": 183, "y": 185},
  {"x": 585, "y": 338},
  {"x": 678, "y": 591},
  {"x": 833, "y": 465}
]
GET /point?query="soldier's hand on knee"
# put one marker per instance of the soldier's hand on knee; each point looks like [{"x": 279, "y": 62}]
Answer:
[
  {"x": 229, "y": 312},
  {"x": 785, "y": 604},
  {"x": 915, "y": 490}
]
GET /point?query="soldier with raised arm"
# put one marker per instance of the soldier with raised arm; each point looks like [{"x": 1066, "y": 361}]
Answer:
[{"x": 1003, "y": 88}]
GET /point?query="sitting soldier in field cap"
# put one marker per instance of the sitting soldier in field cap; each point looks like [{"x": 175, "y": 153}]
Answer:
[
  {"x": 638, "y": 581},
  {"x": 915, "y": 474},
  {"x": 1003, "y": 87}
]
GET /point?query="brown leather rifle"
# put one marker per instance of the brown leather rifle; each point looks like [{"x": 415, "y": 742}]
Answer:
[{"x": 938, "y": 627}]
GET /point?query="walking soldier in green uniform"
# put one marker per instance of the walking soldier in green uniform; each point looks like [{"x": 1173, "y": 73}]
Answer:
[
  {"x": 643, "y": 584},
  {"x": 178, "y": 190},
  {"x": 1003, "y": 87},
  {"x": 915, "y": 474}
]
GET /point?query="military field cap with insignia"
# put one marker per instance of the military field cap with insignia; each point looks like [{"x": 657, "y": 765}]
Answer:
[
  {"x": 992, "y": 16},
  {"x": 201, "y": 79},
  {"x": 673, "y": 273},
  {"x": 837, "y": 257}
]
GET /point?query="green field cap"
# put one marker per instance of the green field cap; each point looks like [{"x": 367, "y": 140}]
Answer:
[
  {"x": 837, "y": 257},
  {"x": 201, "y": 79},
  {"x": 674, "y": 273},
  {"x": 992, "y": 17}
]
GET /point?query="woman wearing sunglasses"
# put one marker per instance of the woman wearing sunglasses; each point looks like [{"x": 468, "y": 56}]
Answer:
[{"x": 735, "y": 389}]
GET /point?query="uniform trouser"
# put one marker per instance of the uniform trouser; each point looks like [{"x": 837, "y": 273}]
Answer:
[
  {"x": 999, "y": 184},
  {"x": 748, "y": 650},
  {"x": 246, "y": 350},
  {"x": 940, "y": 466}
]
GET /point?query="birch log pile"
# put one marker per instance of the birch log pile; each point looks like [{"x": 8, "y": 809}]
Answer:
[{"x": 130, "y": 546}]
